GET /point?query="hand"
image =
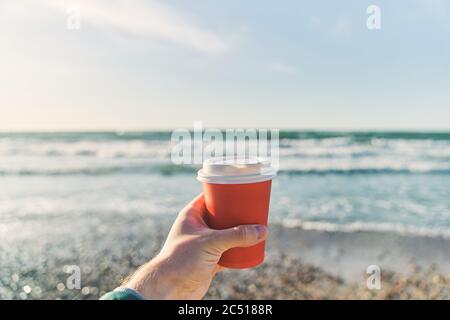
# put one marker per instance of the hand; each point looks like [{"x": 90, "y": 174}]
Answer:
[{"x": 188, "y": 260}]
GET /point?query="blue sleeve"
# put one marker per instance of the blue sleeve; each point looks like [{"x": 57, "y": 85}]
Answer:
[{"x": 122, "y": 293}]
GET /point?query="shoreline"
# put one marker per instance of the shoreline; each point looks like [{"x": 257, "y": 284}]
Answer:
[{"x": 348, "y": 254}]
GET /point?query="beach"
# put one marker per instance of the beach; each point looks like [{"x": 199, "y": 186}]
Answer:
[
  {"x": 316, "y": 265},
  {"x": 104, "y": 202}
]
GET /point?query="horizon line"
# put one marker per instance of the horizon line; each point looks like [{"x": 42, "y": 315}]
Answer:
[{"x": 168, "y": 129}]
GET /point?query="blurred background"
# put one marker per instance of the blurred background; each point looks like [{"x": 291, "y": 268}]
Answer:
[{"x": 90, "y": 92}]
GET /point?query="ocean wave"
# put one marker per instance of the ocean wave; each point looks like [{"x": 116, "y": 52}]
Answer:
[
  {"x": 401, "y": 229},
  {"x": 356, "y": 171},
  {"x": 163, "y": 169},
  {"x": 299, "y": 145},
  {"x": 346, "y": 147},
  {"x": 87, "y": 136},
  {"x": 358, "y": 136},
  {"x": 98, "y": 149},
  {"x": 300, "y": 153},
  {"x": 172, "y": 169}
]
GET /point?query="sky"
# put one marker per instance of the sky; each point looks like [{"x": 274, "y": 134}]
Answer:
[{"x": 148, "y": 64}]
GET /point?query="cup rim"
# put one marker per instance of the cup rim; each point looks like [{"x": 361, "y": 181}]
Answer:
[{"x": 264, "y": 174}]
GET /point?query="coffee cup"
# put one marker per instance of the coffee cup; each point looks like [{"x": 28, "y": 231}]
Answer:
[{"x": 237, "y": 192}]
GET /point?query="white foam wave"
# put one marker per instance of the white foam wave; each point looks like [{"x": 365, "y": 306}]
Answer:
[
  {"x": 405, "y": 230},
  {"x": 307, "y": 155},
  {"x": 100, "y": 149}
]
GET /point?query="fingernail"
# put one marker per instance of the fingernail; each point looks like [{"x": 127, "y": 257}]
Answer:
[{"x": 261, "y": 231}]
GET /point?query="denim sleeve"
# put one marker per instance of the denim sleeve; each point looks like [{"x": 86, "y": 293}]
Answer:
[{"x": 122, "y": 293}]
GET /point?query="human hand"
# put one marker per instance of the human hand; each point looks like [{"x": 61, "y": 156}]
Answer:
[{"x": 188, "y": 260}]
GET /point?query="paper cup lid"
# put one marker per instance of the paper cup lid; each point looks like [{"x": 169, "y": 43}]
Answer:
[{"x": 232, "y": 170}]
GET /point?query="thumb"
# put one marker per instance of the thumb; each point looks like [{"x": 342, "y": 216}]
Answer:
[{"x": 239, "y": 236}]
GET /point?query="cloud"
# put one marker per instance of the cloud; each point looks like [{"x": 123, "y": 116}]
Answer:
[
  {"x": 343, "y": 27},
  {"x": 281, "y": 68},
  {"x": 149, "y": 19}
]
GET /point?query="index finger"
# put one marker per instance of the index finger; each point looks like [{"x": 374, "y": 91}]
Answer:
[{"x": 198, "y": 204}]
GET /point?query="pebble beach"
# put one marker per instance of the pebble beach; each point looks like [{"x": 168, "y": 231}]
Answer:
[{"x": 281, "y": 276}]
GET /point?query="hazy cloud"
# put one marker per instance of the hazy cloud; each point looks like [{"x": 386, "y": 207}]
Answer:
[{"x": 150, "y": 19}]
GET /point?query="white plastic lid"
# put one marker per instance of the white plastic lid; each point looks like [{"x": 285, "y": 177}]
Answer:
[{"x": 231, "y": 170}]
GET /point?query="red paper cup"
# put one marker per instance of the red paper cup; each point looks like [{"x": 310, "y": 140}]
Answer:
[{"x": 237, "y": 192}]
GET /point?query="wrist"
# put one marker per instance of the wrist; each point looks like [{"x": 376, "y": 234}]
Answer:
[{"x": 152, "y": 281}]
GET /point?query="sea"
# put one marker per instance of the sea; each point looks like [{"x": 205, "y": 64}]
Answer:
[{"x": 349, "y": 181}]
